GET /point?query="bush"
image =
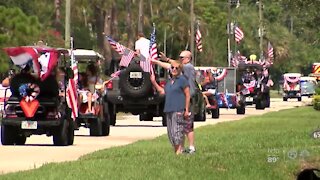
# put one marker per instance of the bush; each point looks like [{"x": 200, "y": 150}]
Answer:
[{"x": 316, "y": 102}]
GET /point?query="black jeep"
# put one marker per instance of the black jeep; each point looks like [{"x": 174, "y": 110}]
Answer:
[{"x": 132, "y": 92}]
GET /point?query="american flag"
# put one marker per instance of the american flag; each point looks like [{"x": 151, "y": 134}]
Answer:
[
  {"x": 198, "y": 39},
  {"x": 237, "y": 58},
  {"x": 153, "y": 49},
  {"x": 127, "y": 54},
  {"x": 270, "y": 51},
  {"x": 238, "y": 34},
  {"x": 72, "y": 95}
]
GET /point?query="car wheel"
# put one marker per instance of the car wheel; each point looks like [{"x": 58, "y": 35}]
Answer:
[
  {"x": 7, "y": 135},
  {"x": 299, "y": 98},
  {"x": 106, "y": 122},
  {"x": 134, "y": 87},
  {"x": 241, "y": 109},
  {"x": 201, "y": 116},
  {"x": 20, "y": 140},
  {"x": 60, "y": 136},
  {"x": 146, "y": 117},
  {"x": 164, "y": 120},
  {"x": 95, "y": 127},
  {"x": 215, "y": 113},
  {"x": 285, "y": 99},
  {"x": 112, "y": 114},
  {"x": 267, "y": 100},
  {"x": 260, "y": 104},
  {"x": 71, "y": 133}
]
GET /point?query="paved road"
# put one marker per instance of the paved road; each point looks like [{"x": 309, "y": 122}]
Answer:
[{"x": 39, "y": 149}]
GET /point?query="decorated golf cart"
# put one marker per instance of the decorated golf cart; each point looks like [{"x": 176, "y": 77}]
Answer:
[
  {"x": 97, "y": 118},
  {"x": 291, "y": 86},
  {"x": 224, "y": 95},
  {"x": 35, "y": 106}
]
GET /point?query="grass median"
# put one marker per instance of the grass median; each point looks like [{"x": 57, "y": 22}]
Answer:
[{"x": 231, "y": 150}]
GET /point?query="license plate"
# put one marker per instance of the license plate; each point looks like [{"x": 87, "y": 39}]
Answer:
[
  {"x": 136, "y": 75},
  {"x": 249, "y": 99},
  {"x": 29, "y": 125}
]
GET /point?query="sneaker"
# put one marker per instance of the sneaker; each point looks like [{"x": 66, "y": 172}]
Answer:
[{"x": 192, "y": 151}]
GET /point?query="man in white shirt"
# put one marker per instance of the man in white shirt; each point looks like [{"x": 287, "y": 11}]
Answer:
[{"x": 142, "y": 46}]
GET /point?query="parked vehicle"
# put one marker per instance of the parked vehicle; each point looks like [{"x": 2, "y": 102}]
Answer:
[
  {"x": 98, "y": 121},
  {"x": 291, "y": 86},
  {"x": 35, "y": 106},
  {"x": 308, "y": 86}
]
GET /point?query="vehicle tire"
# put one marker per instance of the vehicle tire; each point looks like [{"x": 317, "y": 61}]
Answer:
[
  {"x": 20, "y": 140},
  {"x": 60, "y": 136},
  {"x": 134, "y": 87},
  {"x": 241, "y": 109},
  {"x": 95, "y": 127},
  {"x": 201, "y": 116},
  {"x": 112, "y": 115},
  {"x": 215, "y": 113},
  {"x": 106, "y": 122},
  {"x": 7, "y": 135},
  {"x": 285, "y": 99},
  {"x": 299, "y": 98},
  {"x": 260, "y": 104},
  {"x": 71, "y": 132},
  {"x": 146, "y": 117},
  {"x": 164, "y": 120}
]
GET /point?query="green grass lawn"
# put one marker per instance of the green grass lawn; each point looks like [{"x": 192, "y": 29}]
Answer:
[{"x": 231, "y": 150}]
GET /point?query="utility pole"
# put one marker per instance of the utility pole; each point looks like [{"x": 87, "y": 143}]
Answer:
[
  {"x": 67, "y": 24},
  {"x": 261, "y": 31},
  {"x": 140, "y": 23},
  {"x": 192, "y": 31},
  {"x": 229, "y": 33}
]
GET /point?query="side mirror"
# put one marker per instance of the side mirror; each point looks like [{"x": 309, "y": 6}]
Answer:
[{"x": 69, "y": 73}]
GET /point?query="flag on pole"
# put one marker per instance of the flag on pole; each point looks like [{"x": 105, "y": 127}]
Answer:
[
  {"x": 127, "y": 54},
  {"x": 238, "y": 34},
  {"x": 153, "y": 48},
  {"x": 72, "y": 95},
  {"x": 199, "y": 39},
  {"x": 270, "y": 51}
]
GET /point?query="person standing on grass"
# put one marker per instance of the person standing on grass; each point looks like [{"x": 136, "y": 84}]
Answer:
[
  {"x": 188, "y": 71},
  {"x": 177, "y": 103}
]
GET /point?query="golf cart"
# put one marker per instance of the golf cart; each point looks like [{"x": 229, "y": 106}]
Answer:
[
  {"x": 35, "y": 106},
  {"x": 291, "y": 86},
  {"x": 98, "y": 121},
  {"x": 253, "y": 83}
]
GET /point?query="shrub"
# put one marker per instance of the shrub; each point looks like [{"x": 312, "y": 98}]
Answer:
[
  {"x": 316, "y": 102},
  {"x": 317, "y": 90}
]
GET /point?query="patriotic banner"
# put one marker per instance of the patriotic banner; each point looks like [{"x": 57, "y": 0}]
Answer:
[
  {"x": 198, "y": 39},
  {"x": 237, "y": 58},
  {"x": 72, "y": 94},
  {"x": 127, "y": 54},
  {"x": 42, "y": 60},
  {"x": 48, "y": 61},
  {"x": 238, "y": 34}
]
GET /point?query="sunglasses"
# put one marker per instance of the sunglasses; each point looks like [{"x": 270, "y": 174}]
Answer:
[{"x": 175, "y": 67}]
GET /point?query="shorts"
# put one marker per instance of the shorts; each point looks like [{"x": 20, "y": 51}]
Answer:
[{"x": 188, "y": 125}]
